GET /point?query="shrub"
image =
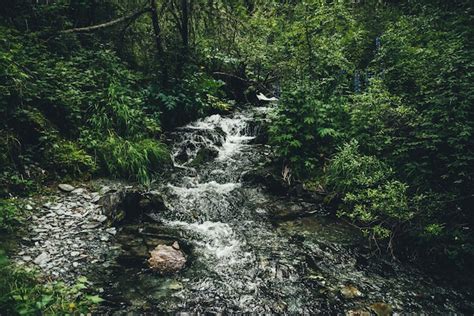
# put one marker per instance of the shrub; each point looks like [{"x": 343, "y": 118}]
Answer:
[
  {"x": 370, "y": 194},
  {"x": 136, "y": 160},
  {"x": 68, "y": 159},
  {"x": 305, "y": 127}
]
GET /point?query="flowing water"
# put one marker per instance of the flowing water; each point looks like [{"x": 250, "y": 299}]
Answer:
[{"x": 242, "y": 259}]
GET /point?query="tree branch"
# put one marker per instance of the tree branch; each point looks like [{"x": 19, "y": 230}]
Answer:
[{"x": 106, "y": 24}]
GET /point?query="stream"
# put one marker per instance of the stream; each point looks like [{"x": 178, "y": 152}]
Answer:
[{"x": 240, "y": 257}]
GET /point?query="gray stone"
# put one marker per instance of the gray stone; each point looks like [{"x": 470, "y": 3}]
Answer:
[
  {"x": 111, "y": 230},
  {"x": 65, "y": 187},
  {"x": 26, "y": 258},
  {"x": 91, "y": 225},
  {"x": 101, "y": 218},
  {"x": 42, "y": 259},
  {"x": 104, "y": 189},
  {"x": 79, "y": 191}
]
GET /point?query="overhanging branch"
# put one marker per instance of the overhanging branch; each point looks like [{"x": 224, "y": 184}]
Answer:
[{"x": 106, "y": 24}]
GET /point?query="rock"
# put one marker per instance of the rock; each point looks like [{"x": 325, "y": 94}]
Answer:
[
  {"x": 29, "y": 207},
  {"x": 91, "y": 225},
  {"x": 260, "y": 131},
  {"x": 112, "y": 205},
  {"x": 65, "y": 187},
  {"x": 358, "y": 312},
  {"x": 95, "y": 197},
  {"x": 105, "y": 189},
  {"x": 175, "y": 285},
  {"x": 26, "y": 258},
  {"x": 78, "y": 191},
  {"x": 101, "y": 218},
  {"x": 75, "y": 253},
  {"x": 175, "y": 245},
  {"x": 152, "y": 201},
  {"x": 111, "y": 230},
  {"x": 381, "y": 309},
  {"x": 350, "y": 292},
  {"x": 204, "y": 155},
  {"x": 166, "y": 259},
  {"x": 42, "y": 259}
]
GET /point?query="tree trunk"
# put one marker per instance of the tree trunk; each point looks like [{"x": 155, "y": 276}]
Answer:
[
  {"x": 184, "y": 32},
  {"x": 159, "y": 43}
]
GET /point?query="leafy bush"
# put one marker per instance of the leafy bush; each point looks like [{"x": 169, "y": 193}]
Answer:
[
  {"x": 136, "y": 160},
  {"x": 195, "y": 95},
  {"x": 67, "y": 158},
  {"x": 305, "y": 127},
  {"x": 370, "y": 194}
]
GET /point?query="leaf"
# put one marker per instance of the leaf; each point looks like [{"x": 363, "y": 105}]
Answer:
[{"x": 95, "y": 299}]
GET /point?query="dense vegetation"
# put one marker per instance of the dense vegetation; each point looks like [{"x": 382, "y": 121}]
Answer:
[
  {"x": 376, "y": 104},
  {"x": 380, "y": 112}
]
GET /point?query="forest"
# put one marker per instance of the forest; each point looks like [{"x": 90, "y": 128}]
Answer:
[{"x": 283, "y": 156}]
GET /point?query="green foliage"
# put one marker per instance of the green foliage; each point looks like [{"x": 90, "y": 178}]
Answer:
[
  {"x": 370, "y": 194},
  {"x": 67, "y": 158},
  {"x": 23, "y": 293},
  {"x": 67, "y": 107},
  {"x": 305, "y": 127},
  {"x": 379, "y": 98},
  {"x": 136, "y": 160},
  {"x": 197, "y": 94},
  {"x": 9, "y": 212}
]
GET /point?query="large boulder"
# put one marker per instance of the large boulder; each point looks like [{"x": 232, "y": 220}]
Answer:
[
  {"x": 112, "y": 204},
  {"x": 167, "y": 259},
  {"x": 130, "y": 203}
]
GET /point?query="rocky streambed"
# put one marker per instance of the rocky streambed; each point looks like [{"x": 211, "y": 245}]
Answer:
[{"x": 226, "y": 236}]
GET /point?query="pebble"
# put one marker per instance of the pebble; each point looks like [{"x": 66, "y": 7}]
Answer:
[
  {"x": 111, "y": 230},
  {"x": 26, "y": 258},
  {"x": 42, "y": 259},
  {"x": 64, "y": 231},
  {"x": 78, "y": 191},
  {"x": 104, "y": 189},
  {"x": 101, "y": 218}
]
